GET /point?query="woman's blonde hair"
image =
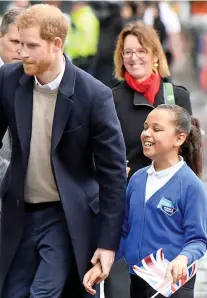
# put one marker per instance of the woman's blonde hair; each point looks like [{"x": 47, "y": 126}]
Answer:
[{"x": 149, "y": 40}]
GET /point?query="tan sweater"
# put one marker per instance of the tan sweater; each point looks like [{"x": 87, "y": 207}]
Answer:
[{"x": 40, "y": 184}]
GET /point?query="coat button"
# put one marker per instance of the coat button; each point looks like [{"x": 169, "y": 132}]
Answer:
[{"x": 18, "y": 202}]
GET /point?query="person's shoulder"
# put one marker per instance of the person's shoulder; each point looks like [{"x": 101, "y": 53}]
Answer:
[
  {"x": 178, "y": 89},
  {"x": 85, "y": 79},
  {"x": 120, "y": 85},
  {"x": 14, "y": 69},
  {"x": 190, "y": 181},
  {"x": 182, "y": 97},
  {"x": 181, "y": 91},
  {"x": 134, "y": 180},
  {"x": 138, "y": 173},
  {"x": 121, "y": 91}
]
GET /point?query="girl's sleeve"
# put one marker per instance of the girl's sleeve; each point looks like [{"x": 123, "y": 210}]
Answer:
[{"x": 195, "y": 222}]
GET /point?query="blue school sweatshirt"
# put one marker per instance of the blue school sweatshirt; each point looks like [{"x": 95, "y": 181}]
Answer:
[{"x": 174, "y": 218}]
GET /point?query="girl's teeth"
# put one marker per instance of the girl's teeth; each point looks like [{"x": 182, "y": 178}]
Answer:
[{"x": 148, "y": 144}]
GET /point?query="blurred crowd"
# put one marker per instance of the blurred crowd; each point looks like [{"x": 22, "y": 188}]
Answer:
[{"x": 95, "y": 25}]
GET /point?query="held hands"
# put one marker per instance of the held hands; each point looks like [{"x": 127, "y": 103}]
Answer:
[
  {"x": 102, "y": 261},
  {"x": 106, "y": 258},
  {"x": 92, "y": 277},
  {"x": 177, "y": 268}
]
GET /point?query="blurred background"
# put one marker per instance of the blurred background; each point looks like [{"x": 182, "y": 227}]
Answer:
[
  {"x": 183, "y": 30},
  {"x": 182, "y": 27}
]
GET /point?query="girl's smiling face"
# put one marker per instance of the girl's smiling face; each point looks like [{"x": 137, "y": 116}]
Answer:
[{"x": 160, "y": 139}]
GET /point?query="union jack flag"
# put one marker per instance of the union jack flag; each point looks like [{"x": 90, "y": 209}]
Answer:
[{"x": 153, "y": 269}]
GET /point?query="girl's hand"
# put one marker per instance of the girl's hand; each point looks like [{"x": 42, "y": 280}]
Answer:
[
  {"x": 127, "y": 169},
  {"x": 92, "y": 277},
  {"x": 177, "y": 268}
]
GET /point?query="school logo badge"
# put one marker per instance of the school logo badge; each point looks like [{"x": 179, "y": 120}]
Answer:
[{"x": 167, "y": 206}]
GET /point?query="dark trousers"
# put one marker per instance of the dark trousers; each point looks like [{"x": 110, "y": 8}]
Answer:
[
  {"x": 43, "y": 261},
  {"x": 141, "y": 289},
  {"x": 117, "y": 285}
]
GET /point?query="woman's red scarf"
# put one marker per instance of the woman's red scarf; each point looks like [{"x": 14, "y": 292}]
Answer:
[{"x": 148, "y": 87}]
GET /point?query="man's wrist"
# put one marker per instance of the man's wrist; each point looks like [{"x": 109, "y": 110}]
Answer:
[{"x": 112, "y": 250}]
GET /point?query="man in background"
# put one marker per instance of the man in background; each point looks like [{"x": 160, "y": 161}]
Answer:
[
  {"x": 83, "y": 36},
  {"x": 9, "y": 52}
]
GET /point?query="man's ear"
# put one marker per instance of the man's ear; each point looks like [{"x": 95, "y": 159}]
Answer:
[{"x": 58, "y": 44}]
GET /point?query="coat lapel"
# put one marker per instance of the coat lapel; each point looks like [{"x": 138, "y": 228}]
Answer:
[
  {"x": 64, "y": 103},
  {"x": 23, "y": 104},
  {"x": 140, "y": 100}
]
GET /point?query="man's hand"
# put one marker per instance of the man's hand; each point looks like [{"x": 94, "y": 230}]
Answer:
[
  {"x": 106, "y": 258},
  {"x": 177, "y": 268}
]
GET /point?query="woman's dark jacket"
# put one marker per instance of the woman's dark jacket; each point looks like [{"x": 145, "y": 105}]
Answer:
[{"x": 132, "y": 109}]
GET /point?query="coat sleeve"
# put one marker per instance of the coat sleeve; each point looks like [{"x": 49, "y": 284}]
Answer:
[
  {"x": 182, "y": 98},
  {"x": 110, "y": 162},
  {"x": 195, "y": 223}
]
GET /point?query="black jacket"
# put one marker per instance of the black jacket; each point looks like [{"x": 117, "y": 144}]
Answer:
[{"x": 132, "y": 109}]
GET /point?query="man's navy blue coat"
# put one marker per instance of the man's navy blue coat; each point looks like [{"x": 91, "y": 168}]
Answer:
[{"x": 87, "y": 157}]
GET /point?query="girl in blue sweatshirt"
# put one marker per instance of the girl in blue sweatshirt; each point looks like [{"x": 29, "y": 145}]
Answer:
[{"x": 166, "y": 203}]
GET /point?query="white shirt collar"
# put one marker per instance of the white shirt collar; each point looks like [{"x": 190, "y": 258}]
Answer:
[
  {"x": 152, "y": 171},
  {"x": 54, "y": 84},
  {"x": 1, "y": 62}
]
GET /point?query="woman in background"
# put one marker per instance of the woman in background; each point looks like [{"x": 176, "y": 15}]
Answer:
[{"x": 142, "y": 68}]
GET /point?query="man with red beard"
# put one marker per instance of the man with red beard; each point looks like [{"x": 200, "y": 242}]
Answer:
[{"x": 63, "y": 195}]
